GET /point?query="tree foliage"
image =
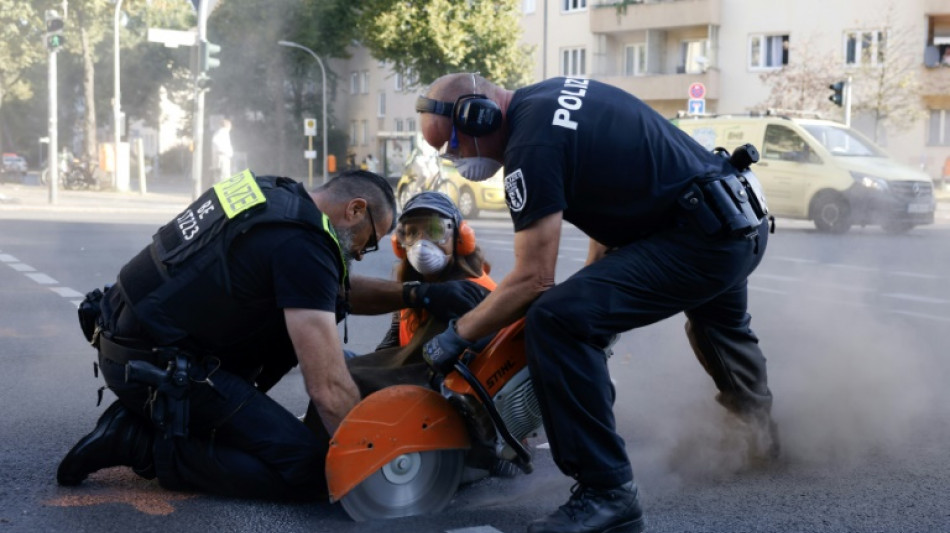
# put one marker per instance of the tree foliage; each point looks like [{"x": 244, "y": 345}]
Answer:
[
  {"x": 436, "y": 37},
  {"x": 802, "y": 85},
  {"x": 21, "y": 45}
]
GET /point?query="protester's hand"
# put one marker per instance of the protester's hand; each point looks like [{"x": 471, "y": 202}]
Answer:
[
  {"x": 445, "y": 300},
  {"x": 442, "y": 350}
]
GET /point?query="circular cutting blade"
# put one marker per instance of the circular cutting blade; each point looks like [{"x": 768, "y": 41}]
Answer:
[{"x": 411, "y": 484}]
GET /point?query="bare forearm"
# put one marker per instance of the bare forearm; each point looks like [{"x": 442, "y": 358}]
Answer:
[
  {"x": 375, "y": 296},
  {"x": 507, "y": 303},
  {"x": 333, "y": 399}
]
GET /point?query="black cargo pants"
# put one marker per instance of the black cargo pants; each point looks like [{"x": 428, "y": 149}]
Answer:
[{"x": 644, "y": 282}]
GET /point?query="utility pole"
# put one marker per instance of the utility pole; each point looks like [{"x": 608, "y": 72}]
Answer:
[
  {"x": 54, "y": 40},
  {"x": 198, "y": 128}
]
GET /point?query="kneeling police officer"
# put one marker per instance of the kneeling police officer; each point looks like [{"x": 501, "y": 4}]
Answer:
[{"x": 247, "y": 282}]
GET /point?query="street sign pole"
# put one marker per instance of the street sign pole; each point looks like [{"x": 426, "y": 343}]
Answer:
[{"x": 310, "y": 163}]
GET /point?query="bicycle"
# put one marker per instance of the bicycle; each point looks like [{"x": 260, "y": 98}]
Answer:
[{"x": 436, "y": 180}]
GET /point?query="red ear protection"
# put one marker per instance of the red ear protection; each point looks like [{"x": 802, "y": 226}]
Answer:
[
  {"x": 466, "y": 242},
  {"x": 397, "y": 248}
]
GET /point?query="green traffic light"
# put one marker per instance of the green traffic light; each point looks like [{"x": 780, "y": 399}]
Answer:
[{"x": 55, "y": 41}]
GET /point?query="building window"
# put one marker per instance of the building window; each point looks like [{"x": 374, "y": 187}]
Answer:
[
  {"x": 864, "y": 47},
  {"x": 353, "y": 133},
  {"x": 364, "y": 82},
  {"x": 573, "y": 5},
  {"x": 574, "y": 62},
  {"x": 364, "y": 132},
  {"x": 768, "y": 51},
  {"x": 354, "y": 82},
  {"x": 398, "y": 82},
  {"x": 529, "y": 7},
  {"x": 398, "y": 124},
  {"x": 635, "y": 59},
  {"x": 693, "y": 56},
  {"x": 411, "y": 124},
  {"x": 381, "y": 105},
  {"x": 939, "y": 130}
]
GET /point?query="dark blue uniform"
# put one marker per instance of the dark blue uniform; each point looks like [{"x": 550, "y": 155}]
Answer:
[
  {"x": 616, "y": 168},
  {"x": 241, "y": 442}
]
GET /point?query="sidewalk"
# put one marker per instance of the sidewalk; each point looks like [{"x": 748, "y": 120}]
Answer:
[{"x": 169, "y": 198}]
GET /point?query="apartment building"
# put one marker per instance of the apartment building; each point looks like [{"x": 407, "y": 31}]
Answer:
[{"x": 659, "y": 49}]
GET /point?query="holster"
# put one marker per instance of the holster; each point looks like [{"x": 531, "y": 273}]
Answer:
[
  {"x": 732, "y": 206},
  {"x": 167, "y": 373}
]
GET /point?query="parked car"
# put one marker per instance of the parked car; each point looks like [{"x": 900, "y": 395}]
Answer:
[
  {"x": 823, "y": 171},
  {"x": 426, "y": 170},
  {"x": 14, "y": 167}
]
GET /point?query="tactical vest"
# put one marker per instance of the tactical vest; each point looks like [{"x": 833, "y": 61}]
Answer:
[{"x": 186, "y": 262}]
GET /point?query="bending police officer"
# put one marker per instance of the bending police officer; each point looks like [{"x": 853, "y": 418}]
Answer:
[{"x": 672, "y": 228}]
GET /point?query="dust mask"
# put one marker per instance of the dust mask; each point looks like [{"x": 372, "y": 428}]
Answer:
[
  {"x": 426, "y": 257},
  {"x": 477, "y": 168}
]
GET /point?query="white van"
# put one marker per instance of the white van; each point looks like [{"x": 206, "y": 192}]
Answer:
[{"x": 823, "y": 171}]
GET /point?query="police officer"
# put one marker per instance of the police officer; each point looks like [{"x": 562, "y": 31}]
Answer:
[
  {"x": 672, "y": 228},
  {"x": 247, "y": 282}
]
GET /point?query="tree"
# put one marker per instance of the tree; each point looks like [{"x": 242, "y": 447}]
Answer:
[
  {"x": 435, "y": 37},
  {"x": 887, "y": 87},
  {"x": 802, "y": 85},
  {"x": 21, "y": 46}
]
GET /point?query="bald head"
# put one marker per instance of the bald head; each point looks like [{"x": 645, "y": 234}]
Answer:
[{"x": 437, "y": 129}]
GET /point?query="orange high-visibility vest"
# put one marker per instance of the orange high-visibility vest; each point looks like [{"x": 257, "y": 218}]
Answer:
[{"x": 405, "y": 335}]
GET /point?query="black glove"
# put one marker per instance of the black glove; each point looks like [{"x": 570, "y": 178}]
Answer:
[
  {"x": 444, "y": 349},
  {"x": 445, "y": 300}
]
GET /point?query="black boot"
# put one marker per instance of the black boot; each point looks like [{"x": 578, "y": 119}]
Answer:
[
  {"x": 591, "y": 510},
  {"x": 120, "y": 439}
]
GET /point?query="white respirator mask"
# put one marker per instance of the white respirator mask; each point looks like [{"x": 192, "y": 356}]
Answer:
[{"x": 426, "y": 257}]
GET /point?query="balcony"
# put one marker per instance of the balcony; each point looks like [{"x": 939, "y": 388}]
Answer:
[
  {"x": 666, "y": 86},
  {"x": 655, "y": 15},
  {"x": 935, "y": 87}
]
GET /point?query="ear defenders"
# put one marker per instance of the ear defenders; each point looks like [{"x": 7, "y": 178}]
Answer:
[
  {"x": 464, "y": 242},
  {"x": 472, "y": 114}
]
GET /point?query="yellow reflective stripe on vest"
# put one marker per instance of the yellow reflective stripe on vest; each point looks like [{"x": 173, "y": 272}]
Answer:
[
  {"x": 239, "y": 193},
  {"x": 327, "y": 227}
]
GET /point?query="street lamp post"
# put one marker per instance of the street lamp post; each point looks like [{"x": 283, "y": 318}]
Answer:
[
  {"x": 116, "y": 102},
  {"x": 323, "y": 72}
]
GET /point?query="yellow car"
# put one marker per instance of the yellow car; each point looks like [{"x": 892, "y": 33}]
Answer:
[{"x": 425, "y": 170}]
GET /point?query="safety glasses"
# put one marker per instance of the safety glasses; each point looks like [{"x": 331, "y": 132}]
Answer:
[{"x": 431, "y": 228}]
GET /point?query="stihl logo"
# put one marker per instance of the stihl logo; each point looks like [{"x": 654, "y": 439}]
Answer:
[{"x": 500, "y": 373}]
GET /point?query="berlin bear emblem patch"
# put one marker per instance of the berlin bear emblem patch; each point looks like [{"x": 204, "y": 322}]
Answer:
[{"x": 515, "y": 192}]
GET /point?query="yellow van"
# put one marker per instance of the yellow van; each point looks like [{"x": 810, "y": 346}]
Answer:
[{"x": 823, "y": 171}]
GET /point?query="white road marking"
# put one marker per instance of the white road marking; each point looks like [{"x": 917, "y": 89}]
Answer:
[
  {"x": 22, "y": 267},
  {"x": 7, "y": 258},
  {"x": 923, "y": 315},
  {"x": 914, "y": 298},
  {"x": 41, "y": 278},
  {"x": 476, "y": 529},
  {"x": 66, "y": 292}
]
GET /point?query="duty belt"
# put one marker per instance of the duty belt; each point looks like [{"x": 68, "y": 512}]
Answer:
[{"x": 730, "y": 206}]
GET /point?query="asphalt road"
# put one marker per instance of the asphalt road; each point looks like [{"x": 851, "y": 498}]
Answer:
[{"x": 856, "y": 328}]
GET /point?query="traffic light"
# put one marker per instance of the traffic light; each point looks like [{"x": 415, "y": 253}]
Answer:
[
  {"x": 54, "y": 30},
  {"x": 838, "y": 96},
  {"x": 208, "y": 59}
]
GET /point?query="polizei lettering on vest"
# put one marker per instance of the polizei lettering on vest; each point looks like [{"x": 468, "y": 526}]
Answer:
[
  {"x": 241, "y": 195},
  {"x": 571, "y": 99}
]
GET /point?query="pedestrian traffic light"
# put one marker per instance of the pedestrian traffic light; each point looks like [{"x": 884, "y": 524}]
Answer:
[
  {"x": 838, "y": 96},
  {"x": 208, "y": 59},
  {"x": 54, "y": 30}
]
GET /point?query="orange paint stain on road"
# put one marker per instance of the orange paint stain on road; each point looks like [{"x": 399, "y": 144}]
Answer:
[{"x": 121, "y": 485}]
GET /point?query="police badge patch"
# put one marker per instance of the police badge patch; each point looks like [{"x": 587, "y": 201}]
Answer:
[{"x": 515, "y": 192}]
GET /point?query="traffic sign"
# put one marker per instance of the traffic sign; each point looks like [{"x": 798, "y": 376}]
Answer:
[
  {"x": 697, "y": 106},
  {"x": 309, "y": 127},
  {"x": 697, "y": 91},
  {"x": 309, "y": 154}
]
